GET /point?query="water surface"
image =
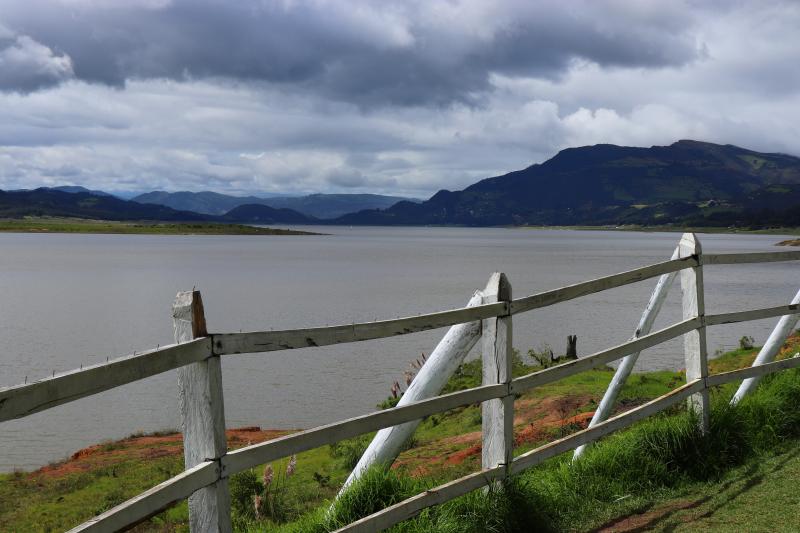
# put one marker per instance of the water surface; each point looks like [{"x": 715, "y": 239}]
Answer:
[{"x": 68, "y": 300}]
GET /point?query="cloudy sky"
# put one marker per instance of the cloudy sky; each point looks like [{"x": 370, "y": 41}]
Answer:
[{"x": 401, "y": 97}]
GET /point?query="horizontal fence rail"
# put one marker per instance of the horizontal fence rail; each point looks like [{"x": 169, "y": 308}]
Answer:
[
  {"x": 752, "y": 371},
  {"x": 754, "y": 314},
  {"x": 751, "y": 257},
  {"x": 26, "y": 399},
  {"x": 268, "y": 341},
  {"x": 571, "y": 292}
]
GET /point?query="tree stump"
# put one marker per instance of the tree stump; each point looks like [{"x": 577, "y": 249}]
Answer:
[{"x": 572, "y": 347}]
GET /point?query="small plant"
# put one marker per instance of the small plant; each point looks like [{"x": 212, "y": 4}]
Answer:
[
  {"x": 272, "y": 502},
  {"x": 746, "y": 342},
  {"x": 242, "y": 487},
  {"x": 389, "y": 402},
  {"x": 254, "y": 499},
  {"x": 544, "y": 356},
  {"x": 408, "y": 376}
]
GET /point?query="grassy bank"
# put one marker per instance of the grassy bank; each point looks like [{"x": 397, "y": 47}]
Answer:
[
  {"x": 71, "y": 225},
  {"x": 635, "y": 471}
]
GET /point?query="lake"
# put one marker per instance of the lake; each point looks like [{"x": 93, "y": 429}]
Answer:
[{"x": 71, "y": 300}]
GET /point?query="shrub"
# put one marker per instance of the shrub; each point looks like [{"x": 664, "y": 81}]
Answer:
[{"x": 746, "y": 342}]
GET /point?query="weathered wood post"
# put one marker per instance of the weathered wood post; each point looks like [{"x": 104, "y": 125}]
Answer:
[
  {"x": 694, "y": 342},
  {"x": 497, "y": 422},
  {"x": 770, "y": 349},
  {"x": 572, "y": 347},
  {"x": 202, "y": 417},
  {"x": 626, "y": 366},
  {"x": 429, "y": 382}
]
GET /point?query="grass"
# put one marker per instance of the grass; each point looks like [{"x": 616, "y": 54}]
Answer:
[
  {"x": 53, "y": 503},
  {"x": 73, "y": 225},
  {"x": 656, "y": 461},
  {"x": 631, "y": 471},
  {"x": 758, "y": 496}
]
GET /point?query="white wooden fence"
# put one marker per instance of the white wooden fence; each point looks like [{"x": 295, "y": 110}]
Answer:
[{"x": 197, "y": 356}]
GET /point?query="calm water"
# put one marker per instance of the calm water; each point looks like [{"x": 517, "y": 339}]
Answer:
[{"x": 67, "y": 300}]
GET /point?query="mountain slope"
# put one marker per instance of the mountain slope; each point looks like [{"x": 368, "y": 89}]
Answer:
[
  {"x": 54, "y": 203},
  {"x": 205, "y": 202},
  {"x": 607, "y": 184},
  {"x": 264, "y": 214},
  {"x": 314, "y": 205},
  {"x": 78, "y": 188},
  {"x": 328, "y": 206}
]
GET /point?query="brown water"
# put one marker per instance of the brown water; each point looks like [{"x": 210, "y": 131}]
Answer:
[{"x": 67, "y": 300}]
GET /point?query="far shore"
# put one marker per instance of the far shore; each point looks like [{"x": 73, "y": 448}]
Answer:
[
  {"x": 75, "y": 225},
  {"x": 673, "y": 229}
]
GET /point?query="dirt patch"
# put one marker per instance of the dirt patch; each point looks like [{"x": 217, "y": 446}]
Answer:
[
  {"x": 646, "y": 520},
  {"x": 461, "y": 456},
  {"x": 535, "y": 420},
  {"x": 146, "y": 447}
]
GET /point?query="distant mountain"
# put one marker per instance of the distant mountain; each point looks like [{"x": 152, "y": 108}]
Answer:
[
  {"x": 206, "y": 202},
  {"x": 56, "y": 203},
  {"x": 688, "y": 182},
  {"x": 67, "y": 188},
  {"x": 264, "y": 214},
  {"x": 315, "y": 205},
  {"x": 78, "y": 188},
  {"x": 328, "y": 206}
]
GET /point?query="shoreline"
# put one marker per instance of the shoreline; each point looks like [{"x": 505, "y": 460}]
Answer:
[
  {"x": 114, "y": 227},
  {"x": 111, "y": 227}
]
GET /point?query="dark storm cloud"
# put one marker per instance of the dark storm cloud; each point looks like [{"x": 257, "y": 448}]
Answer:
[{"x": 403, "y": 53}]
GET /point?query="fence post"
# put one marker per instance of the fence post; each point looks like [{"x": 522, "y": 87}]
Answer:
[
  {"x": 497, "y": 416},
  {"x": 202, "y": 417},
  {"x": 694, "y": 342}
]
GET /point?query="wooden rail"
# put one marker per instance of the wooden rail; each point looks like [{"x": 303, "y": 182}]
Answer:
[
  {"x": 214, "y": 464},
  {"x": 24, "y": 400}
]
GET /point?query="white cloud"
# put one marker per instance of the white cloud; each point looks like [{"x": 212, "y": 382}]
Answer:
[{"x": 26, "y": 64}]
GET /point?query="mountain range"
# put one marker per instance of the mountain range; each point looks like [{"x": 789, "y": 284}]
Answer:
[
  {"x": 322, "y": 206},
  {"x": 688, "y": 183}
]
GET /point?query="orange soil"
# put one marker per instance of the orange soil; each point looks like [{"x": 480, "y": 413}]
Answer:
[
  {"x": 535, "y": 420},
  {"x": 146, "y": 447}
]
